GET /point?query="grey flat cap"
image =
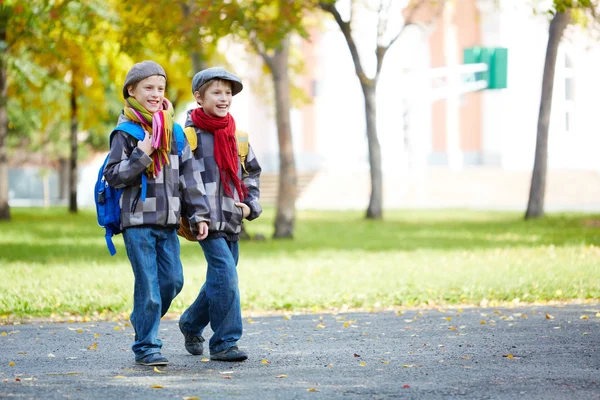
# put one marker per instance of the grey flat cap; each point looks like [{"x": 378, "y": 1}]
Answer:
[
  {"x": 209, "y": 74},
  {"x": 141, "y": 71}
]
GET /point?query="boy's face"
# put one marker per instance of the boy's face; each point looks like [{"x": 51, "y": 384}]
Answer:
[
  {"x": 216, "y": 99},
  {"x": 149, "y": 92}
]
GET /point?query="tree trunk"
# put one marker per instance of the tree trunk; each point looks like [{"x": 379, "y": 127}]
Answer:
[
  {"x": 535, "y": 206},
  {"x": 4, "y": 207},
  {"x": 73, "y": 166},
  {"x": 375, "y": 209},
  {"x": 285, "y": 217}
]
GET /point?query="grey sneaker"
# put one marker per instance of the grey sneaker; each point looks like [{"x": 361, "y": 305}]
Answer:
[
  {"x": 230, "y": 354},
  {"x": 153, "y": 359},
  {"x": 193, "y": 343}
]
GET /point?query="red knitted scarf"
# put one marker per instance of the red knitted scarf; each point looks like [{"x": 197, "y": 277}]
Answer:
[{"x": 225, "y": 149}]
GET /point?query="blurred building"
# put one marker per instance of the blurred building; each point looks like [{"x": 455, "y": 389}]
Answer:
[{"x": 441, "y": 149}]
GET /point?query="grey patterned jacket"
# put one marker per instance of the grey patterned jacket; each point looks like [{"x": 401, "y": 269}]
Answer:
[
  {"x": 225, "y": 217},
  {"x": 177, "y": 180}
]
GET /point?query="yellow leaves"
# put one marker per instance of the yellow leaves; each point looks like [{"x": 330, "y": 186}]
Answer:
[
  {"x": 483, "y": 322},
  {"x": 93, "y": 347},
  {"x": 119, "y": 377},
  {"x": 448, "y": 318},
  {"x": 346, "y": 324},
  {"x": 158, "y": 371},
  {"x": 282, "y": 376},
  {"x": 3, "y": 334},
  {"x": 156, "y": 386},
  {"x": 321, "y": 326},
  {"x": 96, "y": 335},
  {"x": 263, "y": 361},
  {"x": 191, "y": 398},
  {"x": 287, "y": 317},
  {"x": 399, "y": 313},
  {"x": 117, "y": 328},
  {"x": 408, "y": 365},
  {"x": 584, "y": 317},
  {"x": 312, "y": 389},
  {"x": 205, "y": 359},
  {"x": 509, "y": 356},
  {"x": 11, "y": 364},
  {"x": 598, "y": 315},
  {"x": 250, "y": 320},
  {"x": 362, "y": 364},
  {"x": 548, "y": 316}
]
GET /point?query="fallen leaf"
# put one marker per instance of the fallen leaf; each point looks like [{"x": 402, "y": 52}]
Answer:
[
  {"x": 119, "y": 377},
  {"x": 225, "y": 377},
  {"x": 250, "y": 320},
  {"x": 363, "y": 364},
  {"x": 584, "y": 317},
  {"x": 265, "y": 361},
  {"x": 22, "y": 352},
  {"x": 321, "y": 326},
  {"x": 548, "y": 316},
  {"x": 281, "y": 376},
  {"x": 408, "y": 365},
  {"x": 330, "y": 365},
  {"x": 312, "y": 390},
  {"x": 205, "y": 359},
  {"x": 287, "y": 317},
  {"x": 158, "y": 370},
  {"x": 386, "y": 362},
  {"x": 18, "y": 379},
  {"x": 508, "y": 356},
  {"x": 346, "y": 324},
  {"x": 482, "y": 322},
  {"x": 405, "y": 387},
  {"x": 12, "y": 364},
  {"x": 448, "y": 318},
  {"x": 93, "y": 347},
  {"x": 598, "y": 314},
  {"x": 191, "y": 398},
  {"x": 118, "y": 328},
  {"x": 399, "y": 313},
  {"x": 156, "y": 386},
  {"x": 96, "y": 335}
]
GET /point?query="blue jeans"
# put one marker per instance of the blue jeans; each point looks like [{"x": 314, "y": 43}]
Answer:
[
  {"x": 218, "y": 302},
  {"x": 154, "y": 256}
]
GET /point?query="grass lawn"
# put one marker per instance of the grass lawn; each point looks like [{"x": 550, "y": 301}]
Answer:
[{"x": 53, "y": 264}]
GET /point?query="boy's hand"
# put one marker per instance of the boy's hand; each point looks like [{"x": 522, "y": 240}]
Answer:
[
  {"x": 203, "y": 230},
  {"x": 245, "y": 209},
  {"x": 146, "y": 144}
]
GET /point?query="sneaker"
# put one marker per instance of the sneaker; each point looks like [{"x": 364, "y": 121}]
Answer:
[
  {"x": 193, "y": 343},
  {"x": 230, "y": 354},
  {"x": 153, "y": 359}
]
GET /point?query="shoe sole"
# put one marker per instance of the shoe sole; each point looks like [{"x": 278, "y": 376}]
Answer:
[
  {"x": 152, "y": 364},
  {"x": 229, "y": 359}
]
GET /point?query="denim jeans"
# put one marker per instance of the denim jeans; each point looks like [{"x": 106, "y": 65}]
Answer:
[
  {"x": 154, "y": 256},
  {"x": 218, "y": 302}
]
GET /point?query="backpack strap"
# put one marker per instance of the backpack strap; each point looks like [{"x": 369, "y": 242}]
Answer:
[
  {"x": 135, "y": 130},
  {"x": 179, "y": 138},
  {"x": 242, "y": 142},
  {"x": 190, "y": 134}
]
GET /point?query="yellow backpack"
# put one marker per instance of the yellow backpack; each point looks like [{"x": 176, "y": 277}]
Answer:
[{"x": 242, "y": 142}]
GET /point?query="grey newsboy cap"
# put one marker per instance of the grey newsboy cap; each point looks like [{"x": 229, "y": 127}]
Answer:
[
  {"x": 209, "y": 74},
  {"x": 141, "y": 71}
]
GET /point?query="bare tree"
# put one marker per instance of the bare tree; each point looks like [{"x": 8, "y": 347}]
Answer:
[
  {"x": 369, "y": 84},
  {"x": 535, "y": 206}
]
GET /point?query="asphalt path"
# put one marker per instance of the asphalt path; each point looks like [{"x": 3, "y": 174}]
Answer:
[{"x": 521, "y": 352}]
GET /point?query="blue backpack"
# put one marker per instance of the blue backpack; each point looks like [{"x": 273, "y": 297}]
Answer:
[{"x": 107, "y": 198}]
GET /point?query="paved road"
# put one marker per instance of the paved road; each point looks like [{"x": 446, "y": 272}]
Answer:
[{"x": 507, "y": 353}]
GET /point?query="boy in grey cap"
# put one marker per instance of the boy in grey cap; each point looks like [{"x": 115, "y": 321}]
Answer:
[
  {"x": 150, "y": 224},
  {"x": 232, "y": 190}
]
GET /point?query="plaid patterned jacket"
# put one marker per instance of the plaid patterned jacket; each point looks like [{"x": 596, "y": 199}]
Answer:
[
  {"x": 225, "y": 217},
  {"x": 177, "y": 180}
]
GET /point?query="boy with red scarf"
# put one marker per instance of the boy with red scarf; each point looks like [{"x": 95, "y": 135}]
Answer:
[
  {"x": 232, "y": 191},
  {"x": 150, "y": 225}
]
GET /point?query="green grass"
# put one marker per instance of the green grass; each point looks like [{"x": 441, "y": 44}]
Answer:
[{"x": 53, "y": 264}]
